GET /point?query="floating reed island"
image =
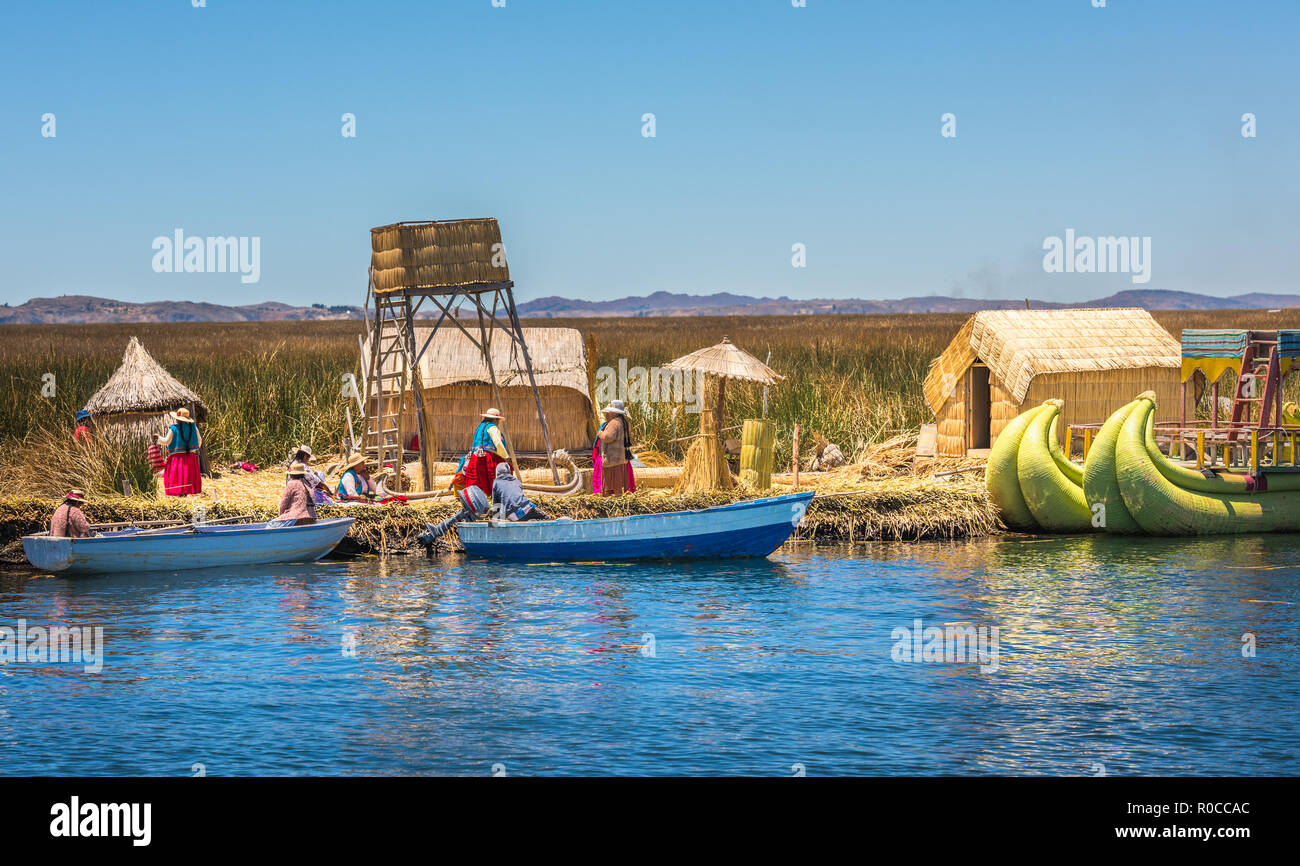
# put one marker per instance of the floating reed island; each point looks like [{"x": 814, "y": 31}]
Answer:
[{"x": 886, "y": 510}]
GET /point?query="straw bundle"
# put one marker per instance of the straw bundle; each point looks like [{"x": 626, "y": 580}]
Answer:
[
  {"x": 131, "y": 404},
  {"x": 433, "y": 255},
  {"x": 705, "y": 468}
]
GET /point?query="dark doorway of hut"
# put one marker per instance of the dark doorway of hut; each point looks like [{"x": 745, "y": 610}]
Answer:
[{"x": 979, "y": 421}]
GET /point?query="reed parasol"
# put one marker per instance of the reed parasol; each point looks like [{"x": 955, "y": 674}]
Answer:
[
  {"x": 726, "y": 361},
  {"x": 705, "y": 467}
]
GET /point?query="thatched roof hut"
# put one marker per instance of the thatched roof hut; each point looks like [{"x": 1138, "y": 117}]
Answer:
[
  {"x": 1005, "y": 361},
  {"x": 457, "y": 388},
  {"x": 133, "y": 401}
]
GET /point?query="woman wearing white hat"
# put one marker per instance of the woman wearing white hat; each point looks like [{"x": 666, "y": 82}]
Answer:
[
  {"x": 315, "y": 479},
  {"x": 613, "y": 473},
  {"x": 181, "y": 443}
]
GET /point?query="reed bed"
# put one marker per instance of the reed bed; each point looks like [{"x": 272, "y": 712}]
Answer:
[{"x": 270, "y": 385}]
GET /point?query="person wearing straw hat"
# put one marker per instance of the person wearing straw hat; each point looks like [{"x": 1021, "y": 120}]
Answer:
[
  {"x": 487, "y": 451},
  {"x": 356, "y": 483},
  {"x": 296, "y": 505},
  {"x": 315, "y": 479},
  {"x": 612, "y": 474},
  {"x": 68, "y": 520},
  {"x": 182, "y": 441}
]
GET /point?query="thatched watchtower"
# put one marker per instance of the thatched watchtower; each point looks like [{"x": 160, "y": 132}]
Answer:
[{"x": 132, "y": 404}]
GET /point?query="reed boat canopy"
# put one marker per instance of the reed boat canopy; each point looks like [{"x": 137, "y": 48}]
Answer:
[
  {"x": 140, "y": 386},
  {"x": 1018, "y": 345}
]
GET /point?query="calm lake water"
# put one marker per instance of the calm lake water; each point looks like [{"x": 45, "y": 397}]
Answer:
[{"x": 1120, "y": 653}]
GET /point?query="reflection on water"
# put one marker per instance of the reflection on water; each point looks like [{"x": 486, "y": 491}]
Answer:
[{"x": 1123, "y": 652}]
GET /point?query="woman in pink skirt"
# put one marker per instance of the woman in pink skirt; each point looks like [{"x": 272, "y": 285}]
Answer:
[{"x": 181, "y": 442}]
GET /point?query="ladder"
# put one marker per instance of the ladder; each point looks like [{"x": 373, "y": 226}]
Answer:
[
  {"x": 1260, "y": 361},
  {"x": 391, "y": 375}
]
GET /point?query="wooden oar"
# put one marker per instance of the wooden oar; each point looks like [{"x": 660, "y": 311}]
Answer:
[
  {"x": 190, "y": 527},
  {"x": 122, "y": 523}
]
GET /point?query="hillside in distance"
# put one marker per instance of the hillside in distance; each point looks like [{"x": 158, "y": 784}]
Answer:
[{"x": 80, "y": 309}]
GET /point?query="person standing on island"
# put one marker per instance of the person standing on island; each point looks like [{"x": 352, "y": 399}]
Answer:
[
  {"x": 182, "y": 440},
  {"x": 614, "y": 444}
]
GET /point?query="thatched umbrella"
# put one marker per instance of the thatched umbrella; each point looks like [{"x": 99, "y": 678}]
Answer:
[
  {"x": 130, "y": 403},
  {"x": 726, "y": 361},
  {"x": 705, "y": 463}
]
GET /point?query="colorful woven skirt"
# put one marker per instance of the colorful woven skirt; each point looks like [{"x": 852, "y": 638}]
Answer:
[{"x": 181, "y": 475}]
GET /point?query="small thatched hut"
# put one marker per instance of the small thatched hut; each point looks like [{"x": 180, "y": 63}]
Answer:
[
  {"x": 1005, "y": 361},
  {"x": 131, "y": 404},
  {"x": 457, "y": 388}
]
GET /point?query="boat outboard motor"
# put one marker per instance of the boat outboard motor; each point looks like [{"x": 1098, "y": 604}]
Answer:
[{"x": 475, "y": 504}]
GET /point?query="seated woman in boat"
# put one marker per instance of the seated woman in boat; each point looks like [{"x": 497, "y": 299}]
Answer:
[
  {"x": 508, "y": 495},
  {"x": 296, "y": 505},
  {"x": 315, "y": 479},
  {"x": 356, "y": 485},
  {"x": 182, "y": 442},
  {"x": 69, "y": 521},
  {"x": 613, "y": 469}
]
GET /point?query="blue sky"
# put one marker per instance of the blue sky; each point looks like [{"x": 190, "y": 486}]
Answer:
[{"x": 775, "y": 125}]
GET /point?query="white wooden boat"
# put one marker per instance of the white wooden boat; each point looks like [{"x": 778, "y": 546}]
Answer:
[
  {"x": 755, "y": 527},
  {"x": 185, "y": 547}
]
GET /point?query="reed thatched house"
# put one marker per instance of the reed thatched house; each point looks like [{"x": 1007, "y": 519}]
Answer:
[
  {"x": 457, "y": 389},
  {"x": 134, "y": 401},
  {"x": 1003, "y": 362}
]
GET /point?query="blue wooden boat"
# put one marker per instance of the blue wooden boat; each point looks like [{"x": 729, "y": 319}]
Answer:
[
  {"x": 755, "y": 527},
  {"x": 185, "y": 547}
]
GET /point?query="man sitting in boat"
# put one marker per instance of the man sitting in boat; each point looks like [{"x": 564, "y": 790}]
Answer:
[
  {"x": 356, "y": 483},
  {"x": 182, "y": 442},
  {"x": 508, "y": 495},
  {"x": 474, "y": 504},
  {"x": 68, "y": 520},
  {"x": 296, "y": 505}
]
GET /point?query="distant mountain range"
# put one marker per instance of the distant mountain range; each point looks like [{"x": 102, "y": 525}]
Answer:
[{"x": 77, "y": 309}]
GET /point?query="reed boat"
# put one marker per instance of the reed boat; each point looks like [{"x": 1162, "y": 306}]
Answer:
[
  {"x": 185, "y": 547},
  {"x": 753, "y": 528}
]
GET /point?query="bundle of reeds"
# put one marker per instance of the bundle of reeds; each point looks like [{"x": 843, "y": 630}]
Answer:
[{"x": 705, "y": 468}]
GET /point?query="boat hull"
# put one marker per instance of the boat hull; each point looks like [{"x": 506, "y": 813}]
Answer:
[
  {"x": 186, "y": 548},
  {"x": 753, "y": 528}
]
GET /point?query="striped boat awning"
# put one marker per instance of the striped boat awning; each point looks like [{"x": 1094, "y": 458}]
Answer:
[
  {"x": 1213, "y": 351},
  {"x": 1288, "y": 344},
  {"x": 1215, "y": 343}
]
